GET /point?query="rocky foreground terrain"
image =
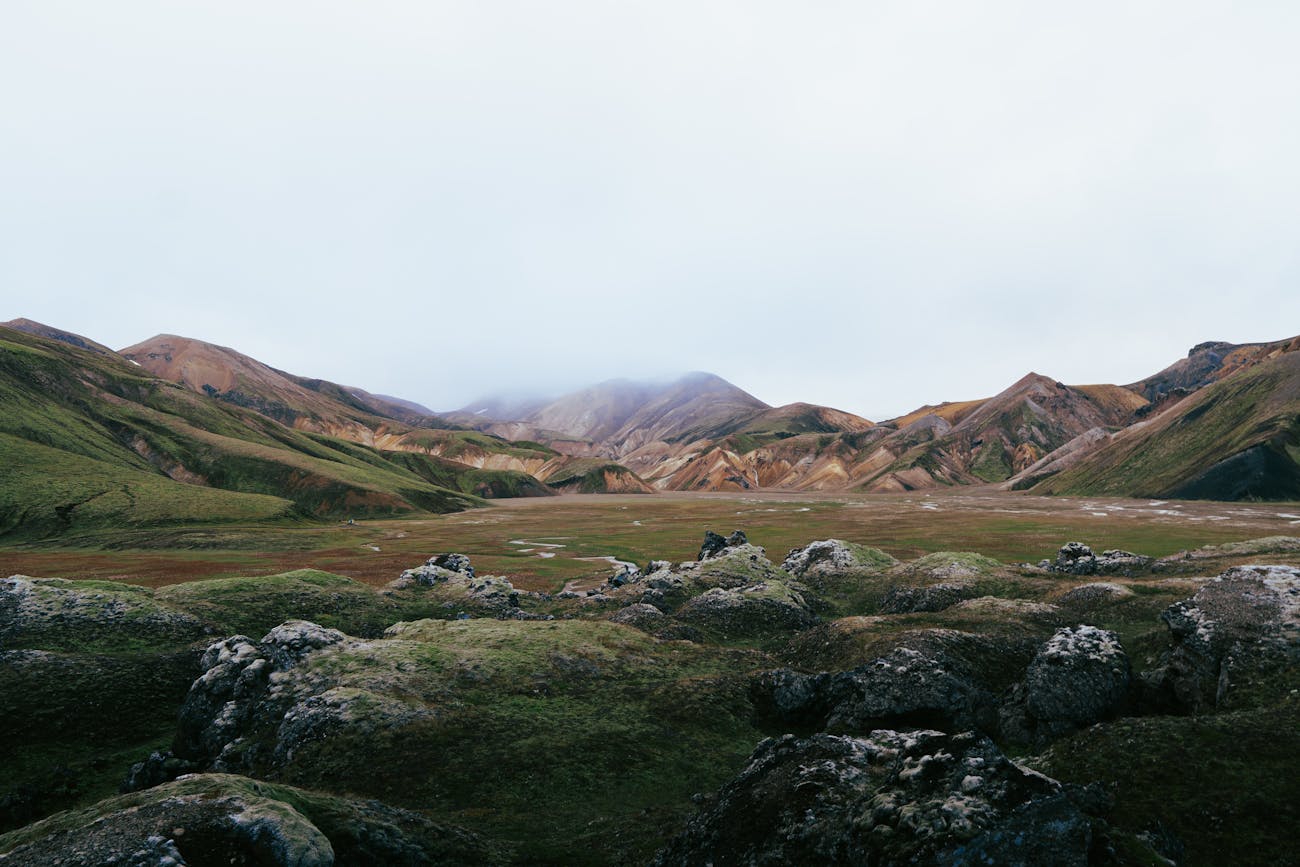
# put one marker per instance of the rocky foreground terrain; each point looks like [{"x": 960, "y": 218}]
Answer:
[{"x": 836, "y": 707}]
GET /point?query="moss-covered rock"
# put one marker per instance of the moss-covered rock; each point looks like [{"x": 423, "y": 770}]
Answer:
[
  {"x": 829, "y": 557},
  {"x": 252, "y": 605},
  {"x": 55, "y": 614},
  {"x": 890, "y": 798},
  {"x": 219, "y": 818},
  {"x": 758, "y": 609},
  {"x": 949, "y": 566},
  {"x": 531, "y": 726}
]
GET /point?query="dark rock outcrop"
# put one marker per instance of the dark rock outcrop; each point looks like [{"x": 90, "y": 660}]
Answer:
[
  {"x": 640, "y": 615},
  {"x": 763, "y": 607},
  {"x": 1080, "y": 676},
  {"x": 890, "y": 798},
  {"x": 440, "y": 567},
  {"x": 715, "y": 544},
  {"x": 904, "y": 688},
  {"x": 834, "y": 557},
  {"x": 1249, "y": 615},
  {"x": 53, "y": 614},
  {"x": 217, "y": 818},
  {"x": 224, "y": 702},
  {"x": 901, "y": 599},
  {"x": 1076, "y": 558}
]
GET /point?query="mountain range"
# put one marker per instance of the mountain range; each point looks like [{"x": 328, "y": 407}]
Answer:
[{"x": 174, "y": 429}]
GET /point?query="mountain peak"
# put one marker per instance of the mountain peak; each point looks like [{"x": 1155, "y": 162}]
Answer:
[{"x": 31, "y": 326}]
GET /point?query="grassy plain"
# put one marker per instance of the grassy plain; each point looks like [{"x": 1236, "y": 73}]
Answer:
[{"x": 542, "y": 543}]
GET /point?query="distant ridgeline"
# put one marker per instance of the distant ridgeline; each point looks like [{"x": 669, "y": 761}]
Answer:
[{"x": 174, "y": 430}]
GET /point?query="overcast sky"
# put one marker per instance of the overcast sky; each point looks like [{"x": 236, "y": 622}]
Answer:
[{"x": 871, "y": 205}]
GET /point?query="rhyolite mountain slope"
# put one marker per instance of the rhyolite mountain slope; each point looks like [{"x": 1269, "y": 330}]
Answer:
[
  {"x": 231, "y": 376},
  {"x": 1206, "y": 363},
  {"x": 627, "y": 414},
  {"x": 1236, "y": 438},
  {"x": 701, "y": 433},
  {"x": 90, "y": 440},
  {"x": 688, "y": 434},
  {"x": 993, "y": 439},
  {"x": 322, "y": 407},
  {"x": 40, "y": 329}
]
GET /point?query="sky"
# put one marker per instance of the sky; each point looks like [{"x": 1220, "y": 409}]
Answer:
[{"x": 869, "y": 205}]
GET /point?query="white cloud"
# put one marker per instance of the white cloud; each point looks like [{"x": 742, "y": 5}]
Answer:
[{"x": 867, "y": 205}]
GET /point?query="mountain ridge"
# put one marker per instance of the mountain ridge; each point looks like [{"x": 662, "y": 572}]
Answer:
[{"x": 701, "y": 432}]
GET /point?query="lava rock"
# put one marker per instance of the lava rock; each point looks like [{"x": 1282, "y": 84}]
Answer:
[
  {"x": 834, "y": 557},
  {"x": 55, "y": 614},
  {"x": 223, "y": 701},
  {"x": 1094, "y": 594},
  {"x": 903, "y": 688},
  {"x": 715, "y": 544},
  {"x": 1247, "y": 616},
  {"x": 439, "y": 568},
  {"x": 1075, "y": 558},
  {"x": 763, "y": 607},
  {"x": 218, "y": 818},
  {"x": 934, "y": 597},
  {"x": 642, "y": 616},
  {"x": 889, "y": 798},
  {"x": 1081, "y": 675}
]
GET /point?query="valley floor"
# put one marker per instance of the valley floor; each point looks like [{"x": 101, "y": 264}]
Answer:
[
  {"x": 1010, "y": 527},
  {"x": 363, "y": 694}
]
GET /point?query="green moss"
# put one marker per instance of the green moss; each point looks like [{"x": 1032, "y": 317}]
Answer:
[
  {"x": 356, "y": 830},
  {"x": 95, "y": 442},
  {"x": 98, "y": 616},
  {"x": 1219, "y": 783},
  {"x": 1255, "y": 407},
  {"x": 991, "y": 464},
  {"x": 254, "y": 605},
  {"x": 538, "y": 729}
]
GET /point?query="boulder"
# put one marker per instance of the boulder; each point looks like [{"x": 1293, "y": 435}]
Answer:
[
  {"x": 1079, "y": 676},
  {"x": 1126, "y": 563},
  {"x": 640, "y": 615},
  {"x": 55, "y": 614},
  {"x": 1076, "y": 558},
  {"x": 716, "y": 544},
  {"x": 440, "y": 567},
  {"x": 758, "y": 608},
  {"x": 903, "y": 688},
  {"x": 834, "y": 557},
  {"x": 224, "y": 701},
  {"x": 887, "y": 798},
  {"x": 454, "y": 563},
  {"x": 451, "y": 579},
  {"x": 948, "y": 566},
  {"x": 1247, "y": 616},
  {"x": 1094, "y": 594},
  {"x": 217, "y": 818},
  {"x": 901, "y": 599},
  {"x": 625, "y": 575},
  {"x": 732, "y": 567}
]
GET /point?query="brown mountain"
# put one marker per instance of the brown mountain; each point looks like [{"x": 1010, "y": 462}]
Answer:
[
  {"x": 625, "y": 414},
  {"x": 699, "y": 432},
  {"x": 1236, "y": 437},
  {"x": 231, "y": 376},
  {"x": 1206, "y": 363},
  {"x": 982, "y": 441},
  {"x": 28, "y": 326},
  {"x": 321, "y": 407}
]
